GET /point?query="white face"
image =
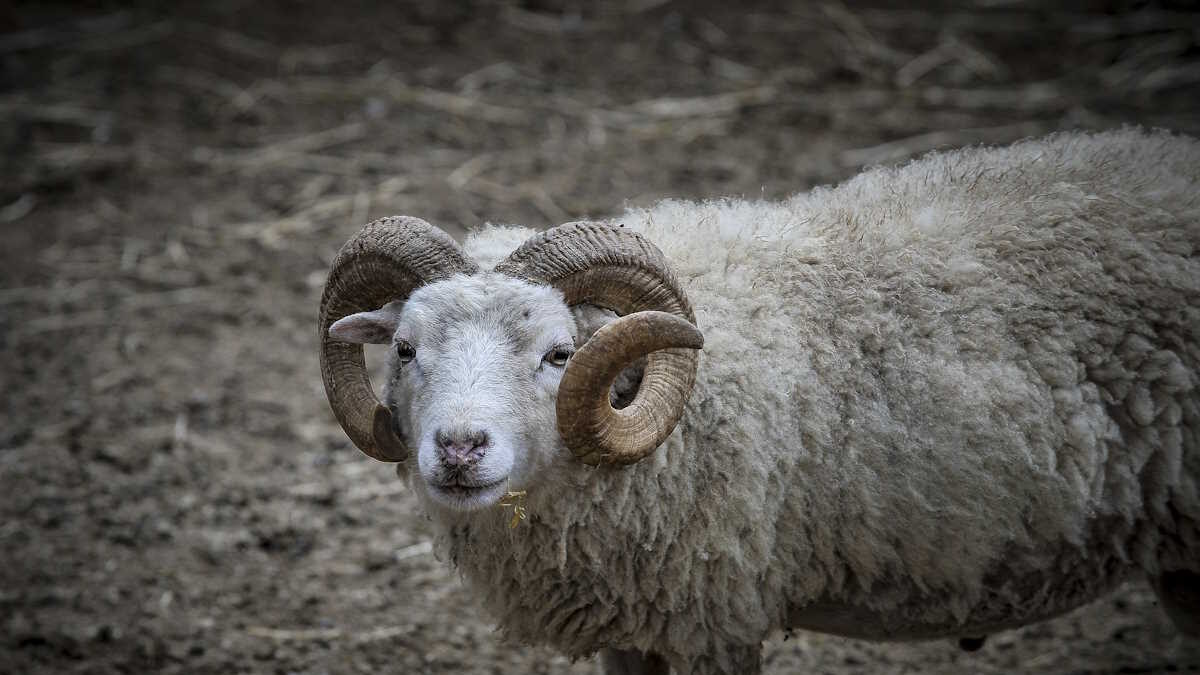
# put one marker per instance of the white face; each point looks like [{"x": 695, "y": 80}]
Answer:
[{"x": 473, "y": 376}]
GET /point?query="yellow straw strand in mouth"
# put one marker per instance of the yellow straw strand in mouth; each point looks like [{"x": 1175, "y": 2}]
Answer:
[{"x": 516, "y": 501}]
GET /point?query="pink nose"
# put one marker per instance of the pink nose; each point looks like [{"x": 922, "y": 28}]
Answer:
[{"x": 461, "y": 447}]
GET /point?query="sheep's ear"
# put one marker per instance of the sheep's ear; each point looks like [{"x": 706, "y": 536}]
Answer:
[
  {"x": 589, "y": 319},
  {"x": 375, "y": 328}
]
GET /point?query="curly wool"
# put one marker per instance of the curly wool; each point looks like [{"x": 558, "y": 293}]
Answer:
[{"x": 961, "y": 392}]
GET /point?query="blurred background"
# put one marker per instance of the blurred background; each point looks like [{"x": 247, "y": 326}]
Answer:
[{"x": 176, "y": 178}]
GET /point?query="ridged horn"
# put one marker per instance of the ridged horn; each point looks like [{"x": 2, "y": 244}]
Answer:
[
  {"x": 612, "y": 267},
  {"x": 387, "y": 260}
]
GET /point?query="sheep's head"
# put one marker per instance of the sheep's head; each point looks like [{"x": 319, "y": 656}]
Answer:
[{"x": 487, "y": 376}]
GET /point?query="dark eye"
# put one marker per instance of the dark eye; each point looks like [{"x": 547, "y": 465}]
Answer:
[
  {"x": 559, "y": 355},
  {"x": 404, "y": 351}
]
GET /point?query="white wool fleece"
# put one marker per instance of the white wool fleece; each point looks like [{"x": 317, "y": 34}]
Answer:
[{"x": 962, "y": 390}]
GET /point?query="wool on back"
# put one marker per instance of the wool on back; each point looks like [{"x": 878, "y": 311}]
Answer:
[{"x": 927, "y": 391}]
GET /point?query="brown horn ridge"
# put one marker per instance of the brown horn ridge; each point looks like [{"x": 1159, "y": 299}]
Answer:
[
  {"x": 621, "y": 270},
  {"x": 387, "y": 260}
]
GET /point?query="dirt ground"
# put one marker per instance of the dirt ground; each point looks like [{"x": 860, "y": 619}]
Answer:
[{"x": 176, "y": 496}]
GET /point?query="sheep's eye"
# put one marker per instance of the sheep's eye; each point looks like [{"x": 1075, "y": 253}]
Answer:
[
  {"x": 558, "y": 356},
  {"x": 404, "y": 351}
]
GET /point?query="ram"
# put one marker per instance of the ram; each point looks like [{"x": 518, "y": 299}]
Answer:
[{"x": 939, "y": 400}]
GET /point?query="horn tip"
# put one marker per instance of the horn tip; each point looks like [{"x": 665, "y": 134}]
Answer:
[
  {"x": 388, "y": 446},
  {"x": 684, "y": 333}
]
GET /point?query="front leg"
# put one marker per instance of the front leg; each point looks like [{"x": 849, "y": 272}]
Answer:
[{"x": 632, "y": 662}]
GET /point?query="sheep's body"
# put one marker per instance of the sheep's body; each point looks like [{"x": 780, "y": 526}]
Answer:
[{"x": 938, "y": 400}]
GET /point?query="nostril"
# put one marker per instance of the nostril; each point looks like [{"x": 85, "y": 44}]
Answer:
[
  {"x": 464, "y": 438},
  {"x": 443, "y": 439},
  {"x": 461, "y": 446},
  {"x": 478, "y": 439}
]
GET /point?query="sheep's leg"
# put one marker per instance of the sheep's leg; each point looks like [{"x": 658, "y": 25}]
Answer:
[
  {"x": 632, "y": 662},
  {"x": 1179, "y": 594}
]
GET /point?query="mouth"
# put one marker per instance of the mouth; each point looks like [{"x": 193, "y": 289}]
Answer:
[{"x": 468, "y": 496}]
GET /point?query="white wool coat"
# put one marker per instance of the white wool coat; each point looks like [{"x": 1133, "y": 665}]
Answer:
[{"x": 959, "y": 395}]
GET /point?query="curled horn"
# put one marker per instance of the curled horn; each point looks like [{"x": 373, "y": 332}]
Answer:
[
  {"x": 385, "y": 261},
  {"x": 619, "y": 269}
]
